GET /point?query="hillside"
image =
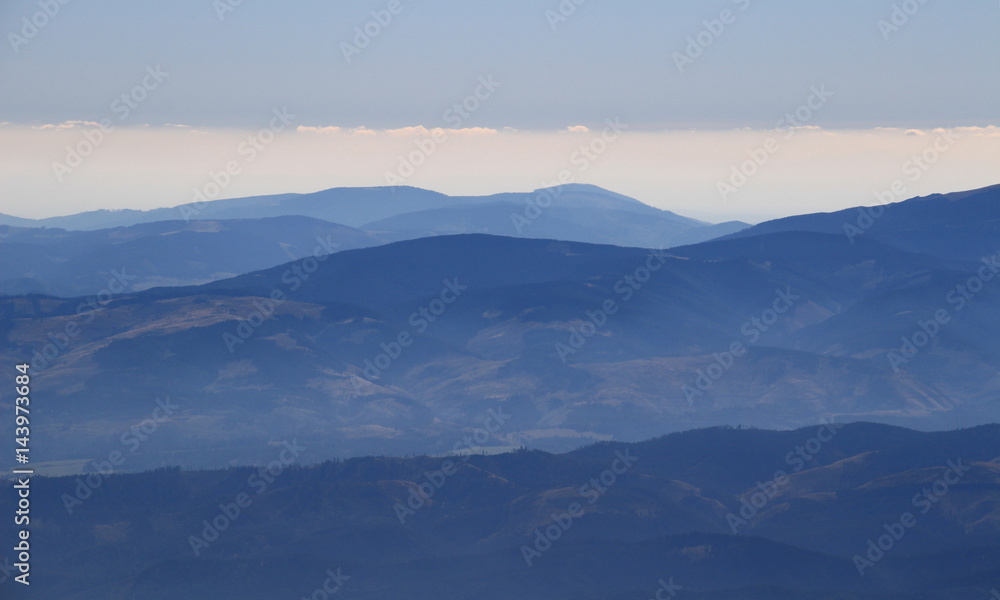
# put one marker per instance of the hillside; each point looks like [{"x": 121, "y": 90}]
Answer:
[
  {"x": 397, "y": 347},
  {"x": 669, "y": 509}
]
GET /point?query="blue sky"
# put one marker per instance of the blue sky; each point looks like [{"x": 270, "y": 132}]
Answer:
[{"x": 940, "y": 68}]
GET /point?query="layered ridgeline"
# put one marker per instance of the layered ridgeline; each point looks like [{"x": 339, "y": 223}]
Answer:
[
  {"x": 394, "y": 348},
  {"x": 960, "y": 226},
  {"x": 69, "y": 263},
  {"x": 195, "y": 243},
  {"x": 855, "y": 512}
]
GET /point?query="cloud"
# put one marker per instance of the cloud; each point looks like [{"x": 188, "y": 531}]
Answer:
[
  {"x": 308, "y": 129},
  {"x": 411, "y": 131},
  {"x": 473, "y": 131},
  {"x": 988, "y": 131},
  {"x": 420, "y": 130},
  {"x": 404, "y": 131},
  {"x": 182, "y": 127},
  {"x": 578, "y": 129},
  {"x": 67, "y": 125},
  {"x": 915, "y": 132}
]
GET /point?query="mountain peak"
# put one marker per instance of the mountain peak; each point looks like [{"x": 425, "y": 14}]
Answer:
[
  {"x": 990, "y": 189},
  {"x": 375, "y": 188},
  {"x": 587, "y": 188}
]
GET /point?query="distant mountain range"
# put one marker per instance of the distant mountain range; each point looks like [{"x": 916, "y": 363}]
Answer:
[
  {"x": 846, "y": 512},
  {"x": 196, "y": 243},
  {"x": 356, "y": 207},
  {"x": 960, "y": 226},
  {"x": 395, "y": 348},
  {"x": 67, "y": 263}
]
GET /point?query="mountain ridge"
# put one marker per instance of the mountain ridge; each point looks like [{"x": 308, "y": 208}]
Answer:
[{"x": 666, "y": 517}]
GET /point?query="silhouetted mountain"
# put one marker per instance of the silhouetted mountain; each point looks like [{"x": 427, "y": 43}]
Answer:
[
  {"x": 357, "y": 206},
  {"x": 77, "y": 263},
  {"x": 716, "y": 514},
  {"x": 77, "y": 254},
  {"x": 660, "y": 229},
  {"x": 350, "y": 206},
  {"x": 489, "y": 319},
  {"x": 959, "y": 226}
]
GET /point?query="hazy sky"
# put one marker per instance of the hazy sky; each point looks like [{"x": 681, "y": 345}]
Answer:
[{"x": 700, "y": 86}]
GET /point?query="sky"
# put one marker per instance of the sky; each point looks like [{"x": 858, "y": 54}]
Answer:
[{"x": 124, "y": 104}]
